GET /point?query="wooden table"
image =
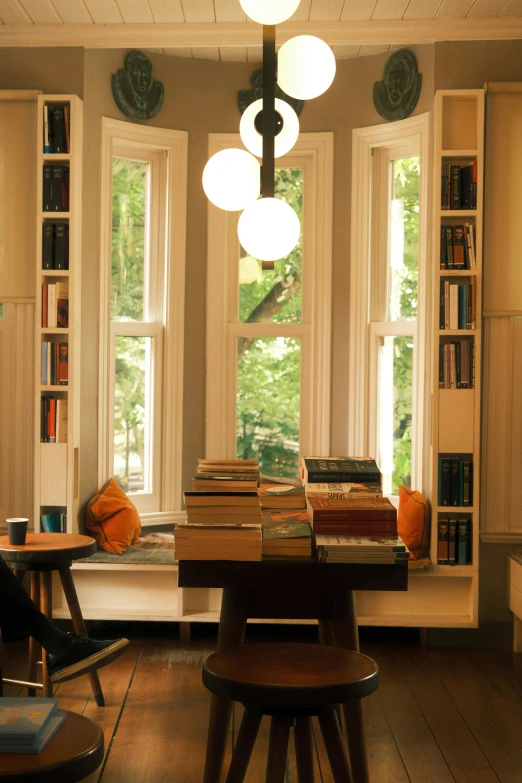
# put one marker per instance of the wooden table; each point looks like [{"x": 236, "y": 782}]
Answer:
[
  {"x": 289, "y": 589},
  {"x": 42, "y": 554}
]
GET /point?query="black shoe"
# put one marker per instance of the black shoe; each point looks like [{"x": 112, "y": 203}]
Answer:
[{"x": 84, "y": 655}]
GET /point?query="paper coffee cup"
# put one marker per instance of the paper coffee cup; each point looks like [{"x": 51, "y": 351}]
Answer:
[{"x": 17, "y": 530}]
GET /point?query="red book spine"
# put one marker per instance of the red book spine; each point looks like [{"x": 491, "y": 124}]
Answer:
[{"x": 383, "y": 528}]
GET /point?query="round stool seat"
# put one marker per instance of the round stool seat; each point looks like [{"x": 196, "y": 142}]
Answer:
[
  {"x": 42, "y": 548},
  {"x": 297, "y": 675},
  {"x": 73, "y": 753}
]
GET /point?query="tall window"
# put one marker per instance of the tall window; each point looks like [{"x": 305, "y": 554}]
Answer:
[
  {"x": 268, "y": 332},
  {"x": 388, "y": 274},
  {"x": 142, "y": 260}
]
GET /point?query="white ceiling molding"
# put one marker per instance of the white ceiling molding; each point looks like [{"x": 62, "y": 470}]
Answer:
[{"x": 224, "y": 34}]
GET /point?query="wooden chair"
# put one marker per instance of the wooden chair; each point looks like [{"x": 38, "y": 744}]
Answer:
[
  {"x": 72, "y": 754},
  {"x": 42, "y": 554},
  {"x": 291, "y": 683}
]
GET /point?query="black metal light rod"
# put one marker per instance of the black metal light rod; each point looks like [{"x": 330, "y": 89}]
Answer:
[{"x": 269, "y": 83}]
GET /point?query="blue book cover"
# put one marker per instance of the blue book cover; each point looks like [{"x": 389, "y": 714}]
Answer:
[
  {"x": 24, "y": 718},
  {"x": 50, "y": 728}
]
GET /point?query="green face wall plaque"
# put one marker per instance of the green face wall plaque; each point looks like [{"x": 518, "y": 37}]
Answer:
[
  {"x": 246, "y": 97},
  {"x": 136, "y": 93},
  {"x": 396, "y": 96}
]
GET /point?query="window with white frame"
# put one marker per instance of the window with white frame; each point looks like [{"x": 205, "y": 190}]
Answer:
[
  {"x": 388, "y": 300},
  {"x": 268, "y": 333},
  {"x": 141, "y": 337}
]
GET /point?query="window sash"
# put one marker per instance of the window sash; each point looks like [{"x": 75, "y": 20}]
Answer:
[
  {"x": 313, "y": 153},
  {"x": 167, "y": 151},
  {"x": 403, "y": 138}
]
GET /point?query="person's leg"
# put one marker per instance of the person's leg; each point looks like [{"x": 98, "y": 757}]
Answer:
[
  {"x": 68, "y": 655},
  {"x": 20, "y": 617}
]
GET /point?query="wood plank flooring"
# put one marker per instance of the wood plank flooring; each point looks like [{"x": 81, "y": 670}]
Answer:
[{"x": 438, "y": 716}]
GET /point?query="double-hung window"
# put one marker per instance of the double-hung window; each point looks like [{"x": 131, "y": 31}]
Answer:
[
  {"x": 268, "y": 332},
  {"x": 142, "y": 274},
  {"x": 388, "y": 301}
]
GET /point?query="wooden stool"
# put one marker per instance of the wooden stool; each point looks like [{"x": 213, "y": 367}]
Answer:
[
  {"x": 292, "y": 683},
  {"x": 73, "y": 753},
  {"x": 42, "y": 554}
]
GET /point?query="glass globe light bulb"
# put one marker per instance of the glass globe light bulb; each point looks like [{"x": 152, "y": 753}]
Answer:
[
  {"x": 232, "y": 179},
  {"x": 249, "y": 271},
  {"x": 305, "y": 67},
  {"x": 268, "y": 229},
  {"x": 269, "y": 11},
  {"x": 284, "y": 140}
]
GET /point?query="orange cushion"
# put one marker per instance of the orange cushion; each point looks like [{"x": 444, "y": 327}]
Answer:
[
  {"x": 113, "y": 519},
  {"x": 413, "y": 522}
]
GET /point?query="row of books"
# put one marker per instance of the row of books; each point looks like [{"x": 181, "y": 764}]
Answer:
[
  {"x": 55, "y": 305},
  {"x": 55, "y": 187},
  {"x": 54, "y": 522},
  {"x": 53, "y": 419},
  {"x": 27, "y": 724},
  {"x": 457, "y": 365},
  {"x": 455, "y": 481},
  {"x": 454, "y": 541},
  {"x": 55, "y": 245},
  {"x": 459, "y": 186},
  {"x": 457, "y": 247},
  {"x": 56, "y": 128},
  {"x": 54, "y": 363},
  {"x": 458, "y": 305}
]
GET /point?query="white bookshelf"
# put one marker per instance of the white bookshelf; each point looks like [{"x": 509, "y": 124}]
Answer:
[
  {"x": 56, "y": 464},
  {"x": 458, "y": 139}
]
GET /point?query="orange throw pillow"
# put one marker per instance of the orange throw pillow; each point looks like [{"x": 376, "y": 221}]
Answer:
[
  {"x": 113, "y": 519},
  {"x": 413, "y": 522}
]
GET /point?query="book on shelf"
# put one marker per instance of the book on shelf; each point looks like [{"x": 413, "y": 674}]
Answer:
[
  {"x": 457, "y": 305},
  {"x": 55, "y": 187},
  {"x": 53, "y": 522},
  {"x": 56, "y": 128},
  {"x": 287, "y": 534},
  {"x": 339, "y": 469},
  {"x": 455, "y": 481},
  {"x": 61, "y": 420},
  {"x": 61, "y": 246},
  {"x": 53, "y": 419},
  {"x": 457, "y": 365},
  {"x": 459, "y": 186},
  {"x": 54, "y": 363},
  {"x": 342, "y": 489},
  {"x": 62, "y": 304},
  {"x": 454, "y": 541},
  {"x": 282, "y": 496}
]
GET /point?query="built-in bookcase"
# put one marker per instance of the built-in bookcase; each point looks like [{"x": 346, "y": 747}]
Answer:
[
  {"x": 57, "y": 318},
  {"x": 457, "y": 304}
]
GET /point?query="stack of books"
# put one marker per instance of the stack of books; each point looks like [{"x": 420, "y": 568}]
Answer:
[
  {"x": 361, "y": 549},
  {"x": 237, "y": 475},
  {"x": 240, "y": 541},
  {"x": 27, "y": 724},
  {"x": 361, "y": 516},
  {"x": 282, "y": 496},
  {"x": 286, "y": 534}
]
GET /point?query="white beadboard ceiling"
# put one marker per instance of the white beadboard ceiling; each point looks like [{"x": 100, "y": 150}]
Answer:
[{"x": 219, "y": 30}]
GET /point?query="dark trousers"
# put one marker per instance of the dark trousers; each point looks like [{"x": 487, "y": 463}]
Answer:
[{"x": 19, "y": 615}]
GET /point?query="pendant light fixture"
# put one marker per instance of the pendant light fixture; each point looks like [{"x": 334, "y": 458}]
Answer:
[{"x": 268, "y": 227}]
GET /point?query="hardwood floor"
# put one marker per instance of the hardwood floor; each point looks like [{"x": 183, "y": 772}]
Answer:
[{"x": 439, "y": 715}]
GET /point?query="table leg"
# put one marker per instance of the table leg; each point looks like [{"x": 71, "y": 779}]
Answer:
[
  {"x": 347, "y": 635},
  {"x": 46, "y": 606},
  {"x": 304, "y": 750},
  {"x": 79, "y": 626},
  {"x": 232, "y": 624},
  {"x": 35, "y": 650},
  {"x": 277, "y": 749}
]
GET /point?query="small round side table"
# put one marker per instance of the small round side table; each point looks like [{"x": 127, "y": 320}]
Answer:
[
  {"x": 72, "y": 754},
  {"x": 42, "y": 554}
]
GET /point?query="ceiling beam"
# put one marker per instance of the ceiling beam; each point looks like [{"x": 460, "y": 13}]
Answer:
[{"x": 160, "y": 35}]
